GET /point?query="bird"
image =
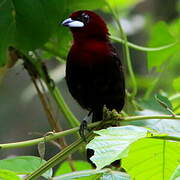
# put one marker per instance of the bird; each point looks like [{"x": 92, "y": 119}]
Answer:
[{"x": 94, "y": 72}]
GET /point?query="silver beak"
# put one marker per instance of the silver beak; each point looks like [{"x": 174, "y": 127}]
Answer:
[{"x": 72, "y": 23}]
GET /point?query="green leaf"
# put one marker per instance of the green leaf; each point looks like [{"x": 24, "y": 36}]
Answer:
[
  {"x": 24, "y": 165},
  {"x": 165, "y": 103},
  {"x": 152, "y": 104},
  {"x": 81, "y": 174},
  {"x": 152, "y": 159},
  {"x": 163, "y": 126},
  {"x": 160, "y": 36},
  {"x": 59, "y": 44},
  {"x": 176, "y": 84},
  {"x": 35, "y": 21},
  {"x": 84, "y": 4},
  {"x": 123, "y": 4},
  {"x": 8, "y": 175},
  {"x": 78, "y": 165},
  {"x": 174, "y": 28},
  {"x": 26, "y": 24},
  {"x": 7, "y": 28},
  {"x": 176, "y": 174},
  {"x": 113, "y": 143},
  {"x": 115, "y": 175}
]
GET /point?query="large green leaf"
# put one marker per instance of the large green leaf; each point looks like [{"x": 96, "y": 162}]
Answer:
[
  {"x": 59, "y": 44},
  {"x": 107, "y": 174},
  {"x": 84, "y": 4},
  {"x": 78, "y": 165},
  {"x": 115, "y": 175},
  {"x": 28, "y": 25},
  {"x": 152, "y": 159},
  {"x": 113, "y": 143},
  {"x": 174, "y": 28},
  {"x": 7, "y": 28},
  {"x": 160, "y": 36},
  {"x": 165, "y": 103},
  {"x": 153, "y": 104},
  {"x": 123, "y": 4},
  {"x": 176, "y": 84},
  {"x": 24, "y": 165},
  {"x": 8, "y": 175},
  {"x": 176, "y": 174},
  {"x": 84, "y": 175},
  {"x": 162, "y": 126}
]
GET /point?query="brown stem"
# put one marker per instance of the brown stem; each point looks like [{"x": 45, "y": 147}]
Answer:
[
  {"x": 45, "y": 101},
  {"x": 60, "y": 143},
  {"x": 56, "y": 125}
]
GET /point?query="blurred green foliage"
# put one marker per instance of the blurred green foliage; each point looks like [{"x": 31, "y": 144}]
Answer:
[
  {"x": 8, "y": 175},
  {"x": 35, "y": 25},
  {"x": 159, "y": 36},
  {"x": 28, "y": 25}
]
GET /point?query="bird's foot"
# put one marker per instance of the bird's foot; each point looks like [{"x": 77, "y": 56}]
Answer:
[{"x": 84, "y": 126}]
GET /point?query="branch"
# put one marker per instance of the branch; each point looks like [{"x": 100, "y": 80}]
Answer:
[
  {"x": 171, "y": 138},
  {"x": 50, "y": 137},
  {"x": 142, "y": 48},
  {"x": 138, "y": 118},
  {"x": 78, "y": 143},
  {"x": 117, "y": 117},
  {"x": 59, "y": 157}
]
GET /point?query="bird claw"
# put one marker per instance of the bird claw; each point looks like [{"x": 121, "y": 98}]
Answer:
[{"x": 83, "y": 128}]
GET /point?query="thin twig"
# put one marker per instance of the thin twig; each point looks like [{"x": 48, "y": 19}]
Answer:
[{"x": 142, "y": 48}]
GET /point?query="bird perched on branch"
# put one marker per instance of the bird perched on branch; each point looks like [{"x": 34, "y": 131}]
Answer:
[{"x": 94, "y": 73}]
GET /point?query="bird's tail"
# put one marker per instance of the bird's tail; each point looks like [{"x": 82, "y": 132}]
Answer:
[{"x": 98, "y": 116}]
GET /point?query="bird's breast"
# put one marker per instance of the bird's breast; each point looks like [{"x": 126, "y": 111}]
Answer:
[{"x": 89, "y": 53}]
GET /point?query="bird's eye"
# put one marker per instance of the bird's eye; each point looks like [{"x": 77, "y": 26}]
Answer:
[{"x": 84, "y": 18}]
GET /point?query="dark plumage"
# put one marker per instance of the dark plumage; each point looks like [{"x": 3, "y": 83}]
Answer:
[{"x": 94, "y": 73}]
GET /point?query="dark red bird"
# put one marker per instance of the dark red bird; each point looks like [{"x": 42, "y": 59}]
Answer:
[{"x": 94, "y": 72}]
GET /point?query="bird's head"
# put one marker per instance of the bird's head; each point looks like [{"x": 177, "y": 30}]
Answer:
[{"x": 86, "y": 24}]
